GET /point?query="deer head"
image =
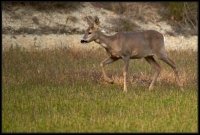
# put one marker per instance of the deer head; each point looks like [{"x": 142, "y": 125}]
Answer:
[{"x": 91, "y": 33}]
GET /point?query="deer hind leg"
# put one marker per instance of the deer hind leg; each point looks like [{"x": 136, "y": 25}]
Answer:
[
  {"x": 125, "y": 70},
  {"x": 105, "y": 62},
  {"x": 171, "y": 63},
  {"x": 156, "y": 67}
]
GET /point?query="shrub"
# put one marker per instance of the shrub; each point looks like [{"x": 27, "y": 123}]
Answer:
[
  {"x": 123, "y": 24},
  {"x": 183, "y": 14},
  {"x": 44, "y": 5}
]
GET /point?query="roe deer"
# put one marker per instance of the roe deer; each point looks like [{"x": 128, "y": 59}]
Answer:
[{"x": 130, "y": 45}]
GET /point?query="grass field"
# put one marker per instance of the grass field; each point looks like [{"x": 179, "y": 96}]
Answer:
[{"x": 62, "y": 90}]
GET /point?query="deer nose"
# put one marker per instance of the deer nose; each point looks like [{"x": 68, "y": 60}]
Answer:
[{"x": 83, "y": 41}]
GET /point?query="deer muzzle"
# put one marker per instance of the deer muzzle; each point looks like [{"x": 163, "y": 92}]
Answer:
[{"x": 84, "y": 41}]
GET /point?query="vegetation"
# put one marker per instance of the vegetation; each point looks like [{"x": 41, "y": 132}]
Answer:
[
  {"x": 183, "y": 11},
  {"x": 183, "y": 14},
  {"x": 44, "y": 6},
  {"x": 62, "y": 90},
  {"x": 123, "y": 24}
]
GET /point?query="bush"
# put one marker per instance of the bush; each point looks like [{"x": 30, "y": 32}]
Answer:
[
  {"x": 117, "y": 7},
  {"x": 43, "y": 5},
  {"x": 123, "y": 24},
  {"x": 183, "y": 14}
]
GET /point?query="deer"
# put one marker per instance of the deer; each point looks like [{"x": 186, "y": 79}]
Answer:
[{"x": 146, "y": 44}]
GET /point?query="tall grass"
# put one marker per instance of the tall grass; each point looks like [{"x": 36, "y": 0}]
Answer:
[{"x": 62, "y": 90}]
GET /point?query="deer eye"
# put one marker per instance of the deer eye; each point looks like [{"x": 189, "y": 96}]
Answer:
[{"x": 89, "y": 33}]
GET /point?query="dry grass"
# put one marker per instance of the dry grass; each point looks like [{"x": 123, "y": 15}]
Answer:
[{"x": 66, "y": 64}]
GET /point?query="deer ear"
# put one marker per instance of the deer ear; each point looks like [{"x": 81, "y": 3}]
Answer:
[
  {"x": 96, "y": 20},
  {"x": 88, "y": 19}
]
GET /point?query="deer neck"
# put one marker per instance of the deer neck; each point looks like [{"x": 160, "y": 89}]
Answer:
[{"x": 104, "y": 40}]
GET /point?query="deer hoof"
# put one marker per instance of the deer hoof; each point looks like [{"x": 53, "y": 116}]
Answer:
[
  {"x": 150, "y": 88},
  {"x": 182, "y": 89},
  {"x": 124, "y": 91},
  {"x": 109, "y": 80}
]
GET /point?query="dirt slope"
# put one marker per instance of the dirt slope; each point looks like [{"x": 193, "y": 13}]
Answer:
[{"x": 32, "y": 28}]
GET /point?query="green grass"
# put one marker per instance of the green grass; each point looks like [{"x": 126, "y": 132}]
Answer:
[{"x": 62, "y": 91}]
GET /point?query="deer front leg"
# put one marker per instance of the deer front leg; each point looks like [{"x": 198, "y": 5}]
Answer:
[
  {"x": 105, "y": 62},
  {"x": 125, "y": 70}
]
